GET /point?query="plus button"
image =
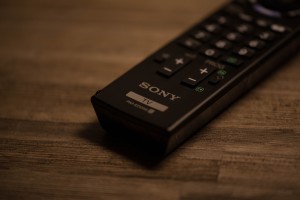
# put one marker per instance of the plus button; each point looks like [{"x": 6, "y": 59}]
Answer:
[
  {"x": 179, "y": 61},
  {"x": 204, "y": 71}
]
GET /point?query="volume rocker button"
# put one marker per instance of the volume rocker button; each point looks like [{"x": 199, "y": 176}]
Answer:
[
  {"x": 173, "y": 65},
  {"x": 198, "y": 75}
]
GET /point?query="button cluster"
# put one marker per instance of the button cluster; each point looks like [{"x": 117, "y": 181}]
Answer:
[{"x": 231, "y": 37}]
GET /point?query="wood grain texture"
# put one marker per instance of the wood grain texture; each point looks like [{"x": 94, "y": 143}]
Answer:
[{"x": 55, "y": 54}]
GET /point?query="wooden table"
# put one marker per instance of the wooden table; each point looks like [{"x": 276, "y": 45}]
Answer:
[{"x": 55, "y": 54}]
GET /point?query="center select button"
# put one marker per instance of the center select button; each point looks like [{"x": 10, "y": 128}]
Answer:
[{"x": 146, "y": 101}]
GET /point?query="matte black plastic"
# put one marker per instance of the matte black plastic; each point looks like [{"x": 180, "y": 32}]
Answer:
[{"x": 158, "y": 107}]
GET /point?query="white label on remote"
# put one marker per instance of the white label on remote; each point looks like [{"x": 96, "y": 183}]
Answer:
[{"x": 146, "y": 101}]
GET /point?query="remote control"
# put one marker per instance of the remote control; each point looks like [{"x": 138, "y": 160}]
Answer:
[{"x": 172, "y": 93}]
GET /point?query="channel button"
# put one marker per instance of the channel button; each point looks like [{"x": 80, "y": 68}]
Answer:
[{"x": 278, "y": 28}]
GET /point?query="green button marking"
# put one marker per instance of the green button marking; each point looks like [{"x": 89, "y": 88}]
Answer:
[
  {"x": 232, "y": 60},
  {"x": 199, "y": 89},
  {"x": 222, "y": 72}
]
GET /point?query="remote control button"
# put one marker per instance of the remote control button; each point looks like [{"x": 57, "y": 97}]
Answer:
[
  {"x": 217, "y": 77},
  {"x": 233, "y": 61},
  {"x": 279, "y": 5},
  {"x": 162, "y": 57},
  {"x": 173, "y": 65},
  {"x": 244, "y": 51},
  {"x": 215, "y": 64},
  {"x": 256, "y": 44},
  {"x": 292, "y": 14},
  {"x": 223, "y": 20},
  {"x": 222, "y": 44},
  {"x": 245, "y": 17},
  {"x": 199, "y": 89},
  {"x": 278, "y": 28},
  {"x": 201, "y": 35},
  {"x": 266, "y": 35},
  {"x": 221, "y": 72},
  {"x": 233, "y": 9},
  {"x": 213, "y": 53},
  {"x": 262, "y": 23},
  {"x": 190, "y": 43},
  {"x": 233, "y": 36},
  {"x": 277, "y": 8},
  {"x": 212, "y": 28},
  {"x": 244, "y": 28},
  {"x": 197, "y": 76},
  {"x": 214, "y": 80}
]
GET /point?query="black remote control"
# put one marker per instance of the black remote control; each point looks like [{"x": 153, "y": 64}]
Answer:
[{"x": 178, "y": 89}]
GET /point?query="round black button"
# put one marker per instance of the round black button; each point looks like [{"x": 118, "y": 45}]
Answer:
[
  {"x": 281, "y": 5},
  {"x": 277, "y": 8}
]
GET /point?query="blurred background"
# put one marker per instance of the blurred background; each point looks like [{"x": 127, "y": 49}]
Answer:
[{"x": 61, "y": 50}]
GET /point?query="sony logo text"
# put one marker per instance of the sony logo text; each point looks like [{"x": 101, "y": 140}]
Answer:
[{"x": 158, "y": 91}]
